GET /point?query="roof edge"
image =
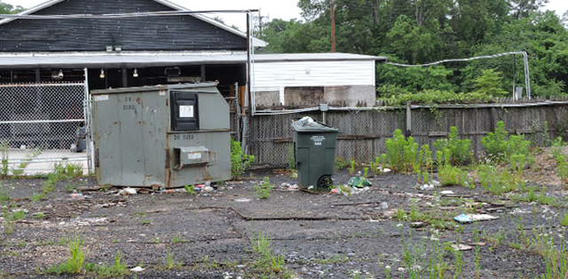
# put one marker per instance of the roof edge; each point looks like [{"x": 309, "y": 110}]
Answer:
[{"x": 256, "y": 42}]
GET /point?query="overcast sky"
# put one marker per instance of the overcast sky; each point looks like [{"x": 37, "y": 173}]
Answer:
[{"x": 285, "y": 9}]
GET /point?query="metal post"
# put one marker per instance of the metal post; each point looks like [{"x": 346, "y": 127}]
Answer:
[
  {"x": 89, "y": 123},
  {"x": 238, "y": 111},
  {"x": 527, "y": 74}
]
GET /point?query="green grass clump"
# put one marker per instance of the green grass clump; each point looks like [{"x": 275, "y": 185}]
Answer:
[
  {"x": 267, "y": 263},
  {"x": 118, "y": 269},
  {"x": 341, "y": 163},
  {"x": 564, "y": 221},
  {"x": 171, "y": 262},
  {"x": 436, "y": 221},
  {"x": 190, "y": 189},
  {"x": 264, "y": 189},
  {"x": 240, "y": 161},
  {"x": 450, "y": 175},
  {"x": 75, "y": 264},
  {"x": 498, "y": 181},
  {"x": 4, "y": 196}
]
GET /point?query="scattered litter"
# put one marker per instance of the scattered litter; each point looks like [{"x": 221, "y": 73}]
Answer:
[
  {"x": 461, "y": 247},
  {"x": 356, "y": 191},
  {"x": 384, "y": 205},
  {"x": 518, "y": 211},
  {"x": 77, "y": 196},
  {"x": 243, "y": 200},
  {"x": 447, "y": 193},
  {"x": 478, "y": 244},
  {"x": 427, "y": 187},
  {"x": 208, "y": 189},
  {"x": 385, "y": 170},
  {"x": 137, "y": 269},
  {"x": 359, "y": 182},
  {"x": 470, "y": 218},
  {"x": 127, "y": 192},
  {"x": 289, "y": 187}
]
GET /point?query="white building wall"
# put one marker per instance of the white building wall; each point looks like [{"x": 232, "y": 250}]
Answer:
[{"x": 275, "y": 76}]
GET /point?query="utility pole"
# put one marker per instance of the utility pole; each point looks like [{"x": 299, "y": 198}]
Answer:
[{"x": 333, "y": 28}]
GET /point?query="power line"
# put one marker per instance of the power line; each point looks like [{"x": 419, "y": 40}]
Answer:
[{"x": 523, "y": 53}]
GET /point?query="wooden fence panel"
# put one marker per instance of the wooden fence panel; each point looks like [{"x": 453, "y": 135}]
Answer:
[{"x": 363, "y": 133}]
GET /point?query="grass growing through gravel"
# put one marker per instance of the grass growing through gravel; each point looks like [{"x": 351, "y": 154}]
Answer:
[
  {"x": 118, "y": 269},
  {"x": 268, "y": 264},
  {"x": 76, "y": 264},
  {"x": 264, "y": 189},
  {"x": 564, "y": 221},
  {"x": 434, "y": 220},
  {"x": 171, "y": 262},
  {"x": 498, "y": 181}
]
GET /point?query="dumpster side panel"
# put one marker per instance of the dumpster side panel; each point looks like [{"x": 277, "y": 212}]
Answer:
[
  {"x": 106, "y": 133},
  {"x": 154, "y": 128}
]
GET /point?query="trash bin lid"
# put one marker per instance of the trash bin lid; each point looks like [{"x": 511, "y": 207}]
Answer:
[{"x": 308, "y": 124}]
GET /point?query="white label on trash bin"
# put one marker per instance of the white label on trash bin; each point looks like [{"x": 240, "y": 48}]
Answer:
[
  {"x": 318, "y": 140},
  {"x": 186, "y": 111},
  {"x": 194, "y": 156}
]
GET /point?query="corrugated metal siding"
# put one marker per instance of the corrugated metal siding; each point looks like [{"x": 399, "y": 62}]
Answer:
[
  {"x": 150, "y": 33},
  {"x": 274, "y": 75}
]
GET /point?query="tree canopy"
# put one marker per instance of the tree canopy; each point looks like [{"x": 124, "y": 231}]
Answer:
[
  {"x": 9, "y": 9},
  {"x": 423, "y": 31}
]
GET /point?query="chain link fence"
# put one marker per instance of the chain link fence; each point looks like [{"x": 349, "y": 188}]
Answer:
[{"x": 39, "y": 125}]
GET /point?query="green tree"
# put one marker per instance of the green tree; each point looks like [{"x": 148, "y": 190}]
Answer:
[
  {"x": 9, "y": 9},
  {"x": 489, "y": 83}
]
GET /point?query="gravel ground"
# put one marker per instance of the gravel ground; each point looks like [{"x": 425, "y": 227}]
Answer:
[{"x": 319, "y": 235}]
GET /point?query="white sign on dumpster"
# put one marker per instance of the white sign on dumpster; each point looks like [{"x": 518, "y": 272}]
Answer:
[
  {"x": 318, "y": 140},
  {"x": 186, "y": 112}
]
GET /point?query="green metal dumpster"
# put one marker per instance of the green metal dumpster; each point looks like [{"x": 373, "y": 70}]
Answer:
[{"x": 315, "y": 152}]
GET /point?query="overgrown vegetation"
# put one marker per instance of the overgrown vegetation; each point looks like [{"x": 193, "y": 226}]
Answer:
[
  {"x": 498, "y": 181},
  {"x": 264, "y": 189},
  {"x": 501, "y": 147},
  {"x": 457, "y": 151},
  {"x": 402, "y": 152},
  {"x": 190, "y": 189},
  {"x": 450, "y": 175},
  {"x": 240, "y": 161}
]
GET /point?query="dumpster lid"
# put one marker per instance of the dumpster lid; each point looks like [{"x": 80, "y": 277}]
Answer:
[{"x": 308, "y": 124}]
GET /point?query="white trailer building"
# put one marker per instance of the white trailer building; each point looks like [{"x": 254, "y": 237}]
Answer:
[{"x": 304, "y": 80}]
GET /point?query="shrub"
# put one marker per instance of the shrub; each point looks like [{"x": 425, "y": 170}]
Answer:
[
  {"x": 500, "y": 146},
  {"x": 458, "y": 150},
  {"x": 240, "y": 161},
  {"x": 450, "y": 175},
  {"x": 402, "y": 152}
]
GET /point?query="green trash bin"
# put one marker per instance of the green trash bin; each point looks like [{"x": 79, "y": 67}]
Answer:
[{"x": 314, "y": 147}]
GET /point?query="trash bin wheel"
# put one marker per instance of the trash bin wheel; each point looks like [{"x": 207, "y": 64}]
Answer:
[{"x": 325, "y": 181}]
